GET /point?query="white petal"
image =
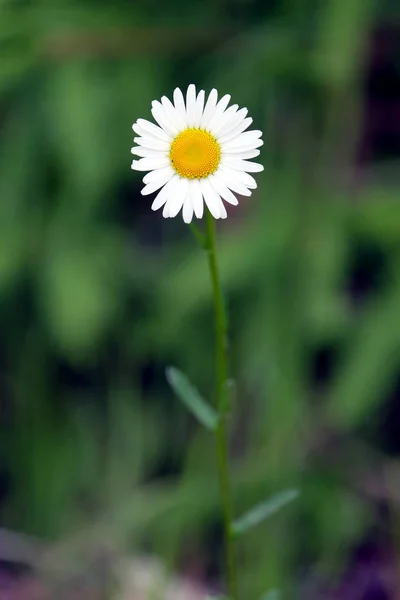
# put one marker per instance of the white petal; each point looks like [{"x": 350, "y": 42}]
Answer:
[
  {"x": 239, "y": 188},
  {"x": 162, "y": 118},
  {"x": 233, "y": 183},
  {"x": 152, "y": 142},
  {"x": 148, "y": 164},
  {"x": 197, "y": 198},
  {"x": 239, "y": 154},
  {"x": 148, "y": 152},
  {"x": 223, "y": 213},
  {"x": 239, "y": 176},
  {"x": 188, "y": 210},
  {"x": 148, "y": 137},
  {"x": 252, "y": 145},
  {"x": 209, "y": 108},
  {"x": 254, "y": 134},
  {"x": 211, "y": 198},
  {"x": 166, "y": 209},
  {"x": 236, "y": 131},
  {"x": 164, "y": 194},
  {"x": 219, "y": 110},
  {"x": 227, "y": 116},
  {"x": 241, "y": 143},
  {"x": 199, "y": 108},
  {"x": 173, "y": 114},
  {"x": 180, "y": 195},
  {"x": 219, "y": 186},
  {"x": 172, "y": 187},
  {"x": 242, "y": 165},
  {"x": 180, "y": 105},
  {"x": 191, "y": 104},
  {"x": 142, "y": 127},
  {"x": 157, "y": 174},
  {"x": 238, "y": 118},
  {"x": 153, "y": 187}
]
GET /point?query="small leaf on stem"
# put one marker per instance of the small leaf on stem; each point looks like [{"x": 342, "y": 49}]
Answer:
[
  {"x": 263, "y": 511},
  {"x": 191, "y": 398},
  {"x": 199, "y": 235}
]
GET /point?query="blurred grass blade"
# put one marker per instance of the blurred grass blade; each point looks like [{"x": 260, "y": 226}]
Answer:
[
  {"x": 370, "y": 362},
  {"x": 263, "y": 511},
  {"x": 191, "y": 398}
]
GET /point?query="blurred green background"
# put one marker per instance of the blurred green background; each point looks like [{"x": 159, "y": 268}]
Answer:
[{"x": 98, "y": 295}]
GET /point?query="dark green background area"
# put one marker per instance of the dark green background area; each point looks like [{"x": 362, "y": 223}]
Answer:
[{"x": 98, "y": 295}]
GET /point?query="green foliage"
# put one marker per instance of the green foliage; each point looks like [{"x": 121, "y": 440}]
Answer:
[{"x": 80, "y": 284}]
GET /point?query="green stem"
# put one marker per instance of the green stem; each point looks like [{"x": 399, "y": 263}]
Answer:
[{"x": 223, "y": 404}]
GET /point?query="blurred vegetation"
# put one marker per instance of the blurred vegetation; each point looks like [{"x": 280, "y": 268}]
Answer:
[{"x": 98, "y": 295}]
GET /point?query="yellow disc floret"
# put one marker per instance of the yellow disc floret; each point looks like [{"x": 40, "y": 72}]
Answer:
[{"x": 195, "y": 153}]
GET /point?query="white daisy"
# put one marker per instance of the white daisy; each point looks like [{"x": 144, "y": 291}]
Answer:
[{"x": 199, "y": 153}]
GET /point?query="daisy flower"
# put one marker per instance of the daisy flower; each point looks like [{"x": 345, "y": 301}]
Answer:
[{"x": 197, "y": 154}]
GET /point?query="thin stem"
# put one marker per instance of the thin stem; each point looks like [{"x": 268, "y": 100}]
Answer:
[
  {"x": 223, "y": 404},
  {"x": 220, "y": 321}
]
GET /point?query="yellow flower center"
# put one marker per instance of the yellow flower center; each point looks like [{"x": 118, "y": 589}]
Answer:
[{"x": 195, "y": 153}]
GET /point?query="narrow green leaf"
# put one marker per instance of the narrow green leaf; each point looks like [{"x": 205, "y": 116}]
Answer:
[
  {"x": 263, "y": 511},
  {"x": 199, "y": 235},
  {"x": 191, "y": 398}
]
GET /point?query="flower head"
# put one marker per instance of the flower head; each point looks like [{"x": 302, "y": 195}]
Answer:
[{"x": 198, "y": 153}]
